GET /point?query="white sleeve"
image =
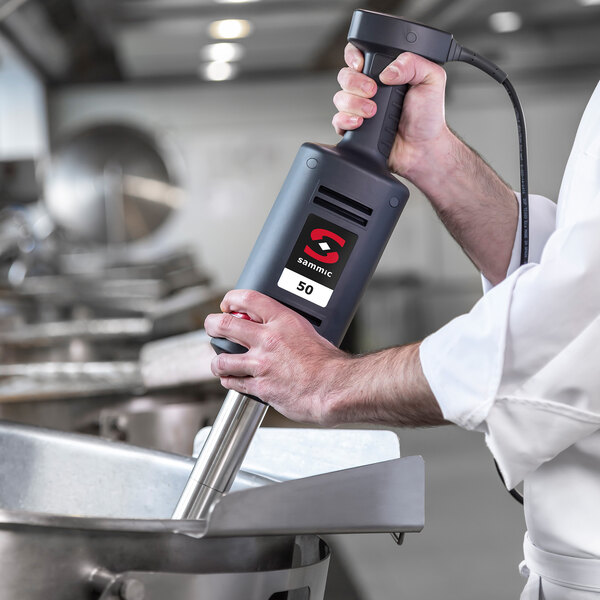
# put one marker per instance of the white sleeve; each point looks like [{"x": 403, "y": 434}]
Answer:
[{"x": 522, "y": 365}]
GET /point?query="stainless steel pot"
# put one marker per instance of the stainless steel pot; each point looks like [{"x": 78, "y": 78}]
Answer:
[
  {"x": 83, "y": 518},
  {"x": 111, "y": 184},
  {"x": 67, "y": 558}
]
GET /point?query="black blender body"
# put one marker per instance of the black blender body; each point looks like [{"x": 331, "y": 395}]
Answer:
[
  {"x": 353, "y": 208},
  {"x": 339, "y": 204}
]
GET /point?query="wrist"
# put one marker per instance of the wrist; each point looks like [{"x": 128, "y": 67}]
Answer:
[
  {"x": 337, "y": 399},
  {"x": 387, "y": 387},
  {"x": 364, "y": 389},
  {"x": 427, "y": 165}
]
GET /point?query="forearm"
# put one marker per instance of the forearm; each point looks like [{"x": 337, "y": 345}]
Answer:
[
  {"x": 306, "y": 378},
  {"x": 386, "y": 387},
  {"x": 479, "y": 210}
]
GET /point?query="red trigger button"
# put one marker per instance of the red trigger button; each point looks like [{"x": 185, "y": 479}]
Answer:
[{"x": 240, "y": 315}]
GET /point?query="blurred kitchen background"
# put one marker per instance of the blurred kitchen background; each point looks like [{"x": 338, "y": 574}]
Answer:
[{"x": 142, "y": 143}]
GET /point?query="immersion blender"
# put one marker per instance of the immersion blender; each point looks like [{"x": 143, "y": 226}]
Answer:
[{"x": 324, "y": 235}]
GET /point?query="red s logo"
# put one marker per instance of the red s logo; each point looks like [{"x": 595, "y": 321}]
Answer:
[{"x": 329, "y": 257}]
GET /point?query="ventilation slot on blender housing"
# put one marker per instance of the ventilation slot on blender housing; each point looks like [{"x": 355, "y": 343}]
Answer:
[
  {"x": 340, "y": 211},
  {"x": 345, "y": 200},
  {"x": 331, "y": 200}
]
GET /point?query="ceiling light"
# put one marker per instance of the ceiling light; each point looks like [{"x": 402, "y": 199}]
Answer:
[
  {"x": 234, "y": 1},
  {"x": 589, "y": 2},
  {"x": 219, "y": 71},
  {"x": 230, "y": 29},
  {"x": 222, "y": 52},
  {"x": 505, "y": 22}
]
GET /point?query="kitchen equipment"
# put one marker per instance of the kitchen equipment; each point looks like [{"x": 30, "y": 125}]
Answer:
[
  {"x": 103, "y": 559},
  {"x": 111, "y": 184},
  {"x": 85, "y": 518},
  {"x": 84, "y": 310},
  {"x": 176, "y": 361},
  {"x": 159, "y": 400}
]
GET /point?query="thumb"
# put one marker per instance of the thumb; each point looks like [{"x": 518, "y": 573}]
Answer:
[{"x": 412, "y": 69}]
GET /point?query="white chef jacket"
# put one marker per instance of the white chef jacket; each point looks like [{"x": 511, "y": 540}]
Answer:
[{"x": 524, "y": 368}]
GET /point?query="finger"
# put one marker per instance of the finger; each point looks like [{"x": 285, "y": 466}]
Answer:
[
  {"x": 233, "y": 365},
  {"x": 357, "y": 83},
  {"x": 412, "y": 69},
  {"x": 354, "y": 105},
  {"x": 233, "y": 328},
  {"x": 354, "y": 57},
  {"x": 243, "y": 385},
  {"x": 257, "y": 306},
  {"x": 343, "y": 122}
]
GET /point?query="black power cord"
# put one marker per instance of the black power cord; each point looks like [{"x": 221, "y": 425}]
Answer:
[{"x": 460, "y": 53}]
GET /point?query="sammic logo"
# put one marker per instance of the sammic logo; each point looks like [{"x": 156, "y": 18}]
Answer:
[{"x": 329, "y": 257}]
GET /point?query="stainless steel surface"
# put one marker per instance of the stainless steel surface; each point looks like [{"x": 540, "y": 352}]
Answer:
[
  {"x": 58, "y": 381},
  {"x": 84, "y": 414},
  {"x": 46, "y": 471},
  {"x": 118, "y": 586},
  {"x": 17, "y": 243},
  {"x": 110, "y": 184},
  {"x": 304, "y": 452},
  {"x": 152, "y": 424},
  {"x": 69, "y": 289},
  {"x": 45, "y": 334},
  {"x": 102, "y": 370},
  {"x": 221, "y": 456},
  {"x": 302, "y": 583},
  {"x": 80, "y": 559},
  {"x": 97, "y": 555},
  {"x": 70, "y": 474},
  {"x": 84, "y": 479},
  {"x": 391, "y": 493},
  {"x": 178, "y": 360}
]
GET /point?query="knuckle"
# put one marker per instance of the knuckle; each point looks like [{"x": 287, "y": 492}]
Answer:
[
  {"x": 367, "y": 108},
  {"x": 208, "y": 322},
  {"x": 217, "y": 365},
  {"x": 225, "y": 321},
  {"x": 339, "y": 99},
  {"x": 214, "y": 367},
  {"x": 428, "y": 69},
  {"x": 248, "y": 297},
  {"x": 261, "y": 367},
  {"x": 271, "y": 342},
  {"x": 226, "y": 300},
  {"x": 441, "y": 73},
  {"x": 337, "y": 125},
  {"x": 348, "y": 52},
  {"x": 351, "y": 52},
  {"x": 346, "y": 78}
]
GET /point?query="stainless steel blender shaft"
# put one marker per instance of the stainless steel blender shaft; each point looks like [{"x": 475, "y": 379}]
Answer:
[{"x": 221, "y": 456}]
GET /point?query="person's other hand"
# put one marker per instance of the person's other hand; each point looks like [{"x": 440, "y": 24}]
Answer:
[
  {"x": 422, "y": 124},
  {"x": 288, "y": 364}
]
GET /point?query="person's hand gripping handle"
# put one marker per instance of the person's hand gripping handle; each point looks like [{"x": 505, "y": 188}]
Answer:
[{"x": 375, "y": 137}]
